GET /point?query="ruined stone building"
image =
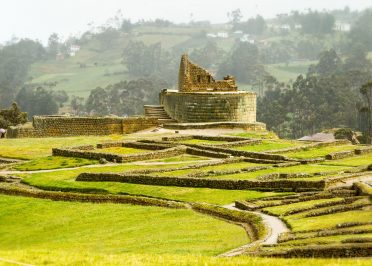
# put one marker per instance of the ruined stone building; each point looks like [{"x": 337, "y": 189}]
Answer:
[
  {"x": 193, "y": 78},
  {"x": 201, "y": 98}
]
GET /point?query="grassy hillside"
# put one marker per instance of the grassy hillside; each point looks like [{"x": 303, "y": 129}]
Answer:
[
  {"x": 112, "y": 228},
  {"x": 102, "y": 61}
]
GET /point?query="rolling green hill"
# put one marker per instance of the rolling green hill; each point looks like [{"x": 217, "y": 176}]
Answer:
[{"x": 99, "y": 63}]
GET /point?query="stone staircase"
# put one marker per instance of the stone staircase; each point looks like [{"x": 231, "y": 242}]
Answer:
[{"x": 157, "y": 111}]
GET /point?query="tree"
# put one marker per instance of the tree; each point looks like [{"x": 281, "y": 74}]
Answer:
[
  {"x": 15, "y": 60},
  {"x": 125, "y": 98},
  {"x": 244, "y": 62},
  {"x": 37, "y": 101},
  {"x": 361, "y": 31},
  {"x": 366, "y": 91},
  {"x": 317, "y": 23},
  {"x": 12, "y": 116},
  {"x": 107, "y": 38},
  {"x": 98, "y": 102},
  {"x": 357, "y": 59},
  {"x": 329, "y": 63},
  {"x": 208, "y": 55},
  {"x": 77, "y": 104},
  {"x": 126, "y": 26},
  {"x": 254, "y": 26},
  {"x": 235, "y": 16},
  {"x": 146, "y": 61},
  {"x": 53, "y": 45},
  {"x": 60, "y": 97}
]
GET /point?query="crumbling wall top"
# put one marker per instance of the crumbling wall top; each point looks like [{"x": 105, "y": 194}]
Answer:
[{"x": 194, "y": 78}]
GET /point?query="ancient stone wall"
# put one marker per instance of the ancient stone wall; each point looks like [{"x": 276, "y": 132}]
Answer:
[
  {"x": 59, "y": 126},
  {"x": 193, "y": 78},
  {"x": 210, "y": 106}
]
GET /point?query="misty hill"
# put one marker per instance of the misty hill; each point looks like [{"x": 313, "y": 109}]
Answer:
[{"x": 99, "y": 62}]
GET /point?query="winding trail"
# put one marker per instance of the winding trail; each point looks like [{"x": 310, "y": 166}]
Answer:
[
  {"x": 274, "y": 225},
  {"x": 15, "y": 262}
]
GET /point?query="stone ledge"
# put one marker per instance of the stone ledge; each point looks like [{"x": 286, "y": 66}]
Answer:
[{"x": 256, "y": 126}]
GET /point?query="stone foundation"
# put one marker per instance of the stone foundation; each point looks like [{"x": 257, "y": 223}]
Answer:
[
  {"x": 62, "y": 126},
  {"x": 195, "y": 107},
  {"x": 256, "y": 126}
]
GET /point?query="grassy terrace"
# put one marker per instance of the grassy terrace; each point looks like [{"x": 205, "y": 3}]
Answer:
[
  {"x": 256, "y": 135},
  {"x": 116, "y": 234},
  {"x": 352, "y": 161},
  {"x": 70, "y": 226},
  {"x": 53, "y": 162},
  {"x": 201, "y": 141},
  {"x": 35, "y": 147},
  {"x": 65, "y": 180},
  {"x": 280, "y": 210},
  {"x": 222, "y": 167},
  {"x": 309, "y": 169},
  {"x": 319, "y": 152},
  {"x": 181, "y": 158},
  {"x": 300, "y": 223},
  {"x": 270, "y": 145},
  {"x": 121, "y": 150},
  {"x": 324, "y": 240}
]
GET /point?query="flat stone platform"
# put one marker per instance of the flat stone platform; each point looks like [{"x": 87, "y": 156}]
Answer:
[{"x": 254, "y": 126}]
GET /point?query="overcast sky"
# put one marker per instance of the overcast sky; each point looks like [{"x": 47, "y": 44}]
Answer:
[{"x": 37, "y": 19}]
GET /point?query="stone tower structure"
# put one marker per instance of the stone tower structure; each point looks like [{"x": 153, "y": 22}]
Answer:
[{"x": 202, "y": 99}]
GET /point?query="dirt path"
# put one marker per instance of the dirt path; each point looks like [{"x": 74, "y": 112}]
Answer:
[
  {"x": 365, "y": 178},
  {"x": 274, "y": 225},
  {"x": 15, "y": 262}
]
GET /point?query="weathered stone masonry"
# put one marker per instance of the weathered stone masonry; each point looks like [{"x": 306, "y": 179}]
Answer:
[
  {"x": 59, "y": 126},
  {"x": 210, "y": 106},
  {"x": 202, "y": 99}
]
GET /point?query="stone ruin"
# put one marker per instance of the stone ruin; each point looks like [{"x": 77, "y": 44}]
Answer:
[
  {"x": 193, "y": 78},
  {"x": 203, "y": 99}
]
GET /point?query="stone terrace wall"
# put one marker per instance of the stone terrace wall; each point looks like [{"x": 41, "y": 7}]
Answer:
[
  {"x": 210, "y": 106},
  {"x": 58, "y": 126}
]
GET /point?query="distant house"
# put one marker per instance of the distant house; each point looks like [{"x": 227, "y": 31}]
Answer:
[
  {"x": 285, "y": 27},
  {"x": 342, "y": 26},
  {"x": 60, "y": 57},
  {"x": 247, "y": 38},
  {"x": 73, "y": 49},
  {"x": 222, "y": 35},
  {"x": 211, "y": 35},
  {"x": 238, "y": 32}
]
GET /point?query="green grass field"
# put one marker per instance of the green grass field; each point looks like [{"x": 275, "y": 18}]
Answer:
[
  {"x": 121, "y": 150},
  {"x": 327, "y": 221},
  {"x": 40, "y": 147},
  {"x": 270, "y": 145},
  {"x": 319, "y": 152},
  {"x": 48, "y": 257},
  {"x": 309, "y": 169},
  {"x": 66, "y": 181},
  {"x": 112, "y": 228},
  {"x": 280, "y": 210},
  {"x": 40, "y": 231},
  {"x": 53, "y": 162}
]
